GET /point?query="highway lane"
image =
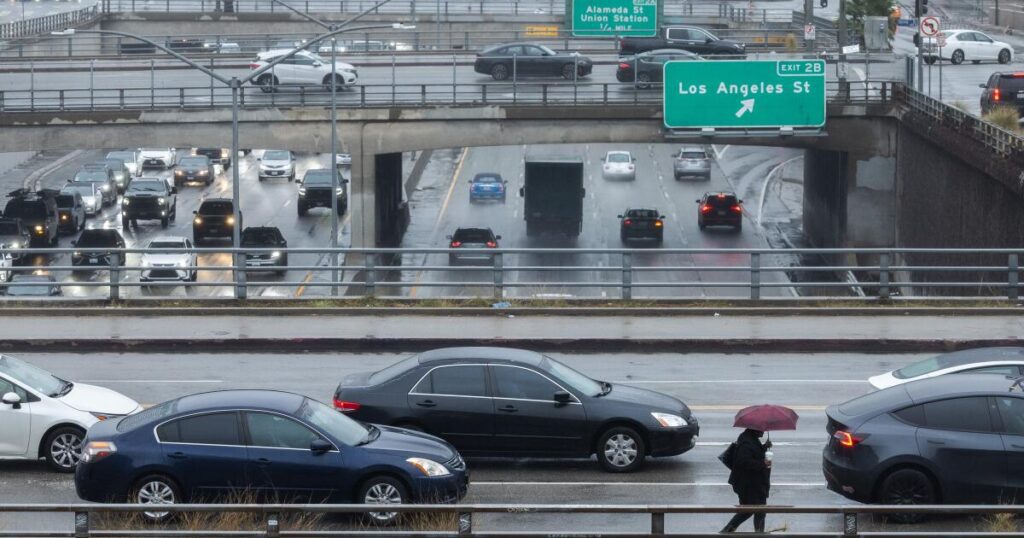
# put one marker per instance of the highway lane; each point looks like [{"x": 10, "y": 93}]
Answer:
[
  {"x": 715, "y": 385},
  {"x": 744, "y": 170},
  {"x": 266, "y": 203}
]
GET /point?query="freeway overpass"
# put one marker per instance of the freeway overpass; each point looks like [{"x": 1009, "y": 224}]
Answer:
[{"x": 870, "y": 176}]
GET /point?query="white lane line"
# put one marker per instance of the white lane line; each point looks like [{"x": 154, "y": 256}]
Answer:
[
  {"x": 152, "y": 381},
  {"x": 638, "y": 484},
  {"x": 727, "y": 381}
]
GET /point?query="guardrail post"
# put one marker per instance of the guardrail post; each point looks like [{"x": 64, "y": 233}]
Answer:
[
  {"x": 370, "y": 267},
  {"x": 273, "y": 526},
  {"x": 115, "y": 276},
  {"x": 181, "y": 97},
  {"x": 465, "y": 523},
  {"x": 755, "y": 276},
  {"x": 240, "y": 276},
  {"x": 883, "y": 276},
  {"x": 362, "y": 95},
  {"x": 499, "y": 276},
  {"x": 62, "y": 100},
  {"x": 81, "y": 524},
  {"x": 657, "y": 523},
  {"x": 850, "y": 524},
  {"x": 627, "y": 276},
  {"x": 1013, "y": 278},
  {"x": 483, "y": 87}
]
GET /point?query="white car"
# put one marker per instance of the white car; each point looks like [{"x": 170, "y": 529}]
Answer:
[
  {"x": 44, "y": 416},
  {"x": 169, "y": 266},
  {"x": 92, "y": 198},
  {"x": 343, "y": 160},
  {"x": 966, "y": 45},
  {"x": 991, "y": 360},
  {"x": 156, "y": 157},
  {"x": 304, "y": 69},
  {"x": 619, "y": 165},
  {"x": 277, "y": 163}
]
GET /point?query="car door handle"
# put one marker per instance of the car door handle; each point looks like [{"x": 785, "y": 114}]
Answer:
[
  {"x": 426, "y": 403},
  {"x": 934, "y": 442},
  {"x": 177, "y": 455},
  {"x": 509, "y": 409}
]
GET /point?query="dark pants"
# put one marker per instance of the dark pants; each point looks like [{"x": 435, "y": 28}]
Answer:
[{"x": 748, "y": 498}]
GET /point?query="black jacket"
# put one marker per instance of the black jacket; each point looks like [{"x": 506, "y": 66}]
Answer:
[{"x": 750, "y": 477}]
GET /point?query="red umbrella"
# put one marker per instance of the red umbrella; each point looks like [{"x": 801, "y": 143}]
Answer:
[{"x": 766, "y": 418}]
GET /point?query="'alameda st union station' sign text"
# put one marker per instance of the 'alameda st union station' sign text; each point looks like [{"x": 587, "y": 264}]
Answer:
[
  {"x": 610, "y": 18},
  {"x": 744, "y": 94}
]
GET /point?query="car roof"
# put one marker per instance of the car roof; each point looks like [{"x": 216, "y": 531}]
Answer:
[
  {"x": 957, "y": 385},
  {"x": 216, "y": 200},
  {"x": 694, "y": 148},
  {"x": 980, "y": 354},
  {"x": 487, "y": 174},
  {"x": 485, "y": 354},
  {"x": 511, "y": 44},
  {"x": 716, "y": 193},
  {"x": 248, "y": 398},
  {"x": 626, "y": 151},
  {"x": 273, "y": 53}
]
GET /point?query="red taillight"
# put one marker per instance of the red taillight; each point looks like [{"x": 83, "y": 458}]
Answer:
[
  {"x": 492, "y": 244},
  {"x": 736, "y": 208},
  {"x": 705, "y": 208},
  {"x": 254, "y": 66},
  {"x": 995, "y": 94},
  {"x": 624, "y": 65},
  {"x": 456, "y": 244},
  {"x": 345, "y": 407},
  {"x": 627, "y": 222},
  {"x": 1018, "y": 75},
  {"x": 846, "y": 438}
]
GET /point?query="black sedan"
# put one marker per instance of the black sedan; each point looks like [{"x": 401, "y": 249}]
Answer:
[
  {"x": 513, "y": 403},
  {"x": 647, "y": 67},
  {"x": 641, "y": 224},
  {"x": 515, "y": 60},
  {"x": 194, "y": 169}
]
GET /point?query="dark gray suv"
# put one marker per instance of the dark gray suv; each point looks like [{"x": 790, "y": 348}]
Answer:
[{"x": 955, "y": 439}]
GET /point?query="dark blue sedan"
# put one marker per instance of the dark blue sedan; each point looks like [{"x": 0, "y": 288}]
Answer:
[
  {"x": 274, "y": 445},
  {"x": 487, "y": 186}
]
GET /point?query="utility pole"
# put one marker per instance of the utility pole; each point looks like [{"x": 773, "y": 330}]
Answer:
[
  {"x": 920, "y": 10},
  {"x": 808, "y": 21}
]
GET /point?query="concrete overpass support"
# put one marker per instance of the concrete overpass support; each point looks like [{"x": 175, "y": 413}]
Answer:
[{"x": 379, "y": 212}]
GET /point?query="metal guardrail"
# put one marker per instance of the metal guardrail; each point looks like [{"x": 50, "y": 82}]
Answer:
[
  {"x": 526, "y": 91},
  {"x": 1004, "y": 143},
  {"x": 44, "y": 25},
  {"x": 446, "y": 9},
  {"x": 623, "y": 273},
  {"x": 463, "y": 517}
]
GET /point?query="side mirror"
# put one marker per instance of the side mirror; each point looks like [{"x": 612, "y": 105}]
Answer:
[
  {"x": 522, "y": 191},
  {"x": 317, "y": 64},
  {"x": 634, "y": 159},
  {"x": 983, "y": 86},
  {"x": 698, "y": 201},
  {"x": 618, "y": 216},
  {"x": 12, "y": 399},
  {"x": 739, "y": 201},
  {"x": 707, "y": 40},
  {"x": 562, "y": 397},
  {"x": 174, "y": 190},
  {"x": 319, "y": 446},
  {"x": 195, "y": 212},
  {"x": 258, "y": 159},
  {"x": 661, "y": 216},
  {"x": 602, "y": 159},
  {"x": 298, "y": 181},
  {"x": 497, "y": 238},
  {"x": 448, "y": 237}
]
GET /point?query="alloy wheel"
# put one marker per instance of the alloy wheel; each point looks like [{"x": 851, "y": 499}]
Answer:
[
  {"x": 155, "y": 492},
  {"x": 382, "y": 493},
  {"x": 620, "y": 450},
  {"x": 66, "y": 449}
]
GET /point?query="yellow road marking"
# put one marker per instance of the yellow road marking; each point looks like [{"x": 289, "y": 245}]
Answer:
[
  {"x": 440, "y": 214},
  {"x": 309, "y": 276}
]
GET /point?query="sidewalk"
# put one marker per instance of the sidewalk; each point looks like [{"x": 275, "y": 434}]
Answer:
[{"x": 881, "y": 332}]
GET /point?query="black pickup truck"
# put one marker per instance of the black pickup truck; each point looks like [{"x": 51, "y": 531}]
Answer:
[{"x": 689, "y": 38}]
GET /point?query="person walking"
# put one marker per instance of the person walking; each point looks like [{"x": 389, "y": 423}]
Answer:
[{"x": 750, "y": 477}]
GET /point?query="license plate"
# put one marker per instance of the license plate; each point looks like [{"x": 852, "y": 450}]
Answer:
[
  {"x": 153, "y": 161},
  {"x": 721, "y": 213},
  {"x": 214, "y": 230},
  {"x": 275, "y": 173}
]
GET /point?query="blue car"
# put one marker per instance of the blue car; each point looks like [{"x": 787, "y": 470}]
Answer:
[
  {"x": 487, "y": 186},
  {"x": 276, "y": 446}
]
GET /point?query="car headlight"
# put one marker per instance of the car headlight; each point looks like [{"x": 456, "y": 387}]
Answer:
[
  {"x": 63, "y": 216},
  {"x": 181, "y": 265},
  {"x": 39, "y": 229},
  {"x": 125, "y": 201},
  {"x": 229, "y": 221},
  {"x": 106, "y": 188},
  {"x": 429, "y": 467},
  {"x": 669, "y": 421},
  {"x": 223, "y": 153},
  {"x": 197, "y": 220},
  {"x": 339, "y": 191},
  {"x": 15, "y": 245},
  {"x": 302, "y": 191},
  {"x": 160, "y": 201},
  {"x": 147, "y": 263},
  {"x": 203, "y": 172},
  {"x": 275, "y": 255},
  {"x": 179, "y": 173},
  {"x": 76, "y": 253}
]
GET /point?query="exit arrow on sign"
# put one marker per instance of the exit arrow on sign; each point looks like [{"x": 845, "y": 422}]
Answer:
[{"x": 748, "y": 106}]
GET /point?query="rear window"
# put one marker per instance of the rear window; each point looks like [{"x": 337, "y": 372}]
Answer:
[
  {"x": 146, "y": 416},
  {"x": 486, "y": 179},
  {"x": 25, "y": 209},
  {"x": 642, "y": 214},
  {"x": 216, "y": 208},
  {"x": 473, "y": 235},
  {"x": 124, "y": 156},
  {"x": 261, "y": 236},
  {"x": 618, "y": 157},
  {"x": 693, "y": 155},
  {"x": 393, "y": 371},
  {"x": 97, "y": 238},
  {"x": 728, "y": 200},
  {"x": 1011, "y": 84},
  {"x": 875, "y": 402}
]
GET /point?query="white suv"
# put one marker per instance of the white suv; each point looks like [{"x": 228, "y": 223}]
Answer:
[
  {"x": 156, "y": 157},
  {"x": 277, "y": 163},
  {"x": 303, "y": 69}
]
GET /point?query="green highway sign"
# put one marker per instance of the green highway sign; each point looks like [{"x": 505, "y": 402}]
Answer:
[
  {"x": 610, "y": 18},
  {"x": 744, "y": 94}
]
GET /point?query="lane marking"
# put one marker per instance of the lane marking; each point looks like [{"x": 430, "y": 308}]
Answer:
[
  {"x": 670, "y": 382},
  {"x": 440, "y": 216},
  {"x": 767, "y": 182},
  {"x": 309, "y": 276},
  {"x": 639, "y": 484}
]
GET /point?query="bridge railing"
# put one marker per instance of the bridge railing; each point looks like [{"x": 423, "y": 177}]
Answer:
[
  {"x": 269, "y": 520},
  {"x": 522, "y": 92},
  {"x": 607, "y": 273},
  {"x": 1002, "y": 142},
  {"x": 44, "y": 25},
  {"x": 446, "y": 9}
]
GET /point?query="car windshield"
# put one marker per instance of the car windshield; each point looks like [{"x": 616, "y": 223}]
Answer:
[
  {"x": 487, "y": 179},
  {"x": 261, "y": 236},
  {"x": 8, "y": 228},
  {"x": 91, "y": 175},
  {"x": 41, "y": 290},
  {"x": 216, "y": 208},
  {"x": 618, "y": 157},
  {"x": 571, "y": 377},
  {"x": 167, "y": 244},
  {"x": 342, "y": 428},
  {"x": 25, "y": 210},
  {"x": 65, "y": 200},
  {"x": 192, "y": 161},
  {"x": 318, "y": 177},
  {"x": 391, "y": 372},
  {"x": 97, "y": 238},
  {"x": 84, "y": 190},
  {"x": 147, "y": 186},
  {"x": 38, "y": 379},
  {"x": 123, "y": 156},
  {"x": 276, "y": 156}
]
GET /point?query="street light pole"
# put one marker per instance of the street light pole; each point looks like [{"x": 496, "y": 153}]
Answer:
[
  {"x": 236, "y": 232},
  {"x": 334, "y": 168}
]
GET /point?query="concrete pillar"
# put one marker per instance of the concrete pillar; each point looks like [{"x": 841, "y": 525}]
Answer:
[
  {"x": 379, "y": 212},
  {"x": 362, "y": 202},
  {"x": 824, "y": 208},
  {"x": 871, "y": 201}
]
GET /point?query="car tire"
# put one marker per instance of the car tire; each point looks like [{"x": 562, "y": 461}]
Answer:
[
  {"x": 739, "y": 227},
  {"x": 382, "y": 490},
  {"x": 291, "y": 178},
  {"x": 339, "y": 83},
  {"x": 620, "y": 449},
  {"x": 701, "y": 225},
  {"x": 126, "y": 224},
  {"x": 1004, "y": 56},
  {"x": 302, "y": 210},
  {"x": 957, "y": 58},
  {"x": 930, "y": 60},
  {"x": 174, "y": 211},
  {"x": 155, "y": 489},
  {"x": 643, "y": 81},
  {"x": 906, "y": 486},
  {"x": 499, "y": 72},
  {"x": 267, "y": 83},
  {"x": 569, "y": 72},
  {"x": 164, "y": 222},
  {"x": 194, "y": 276},
  {"x": 63, "y": 448}
]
